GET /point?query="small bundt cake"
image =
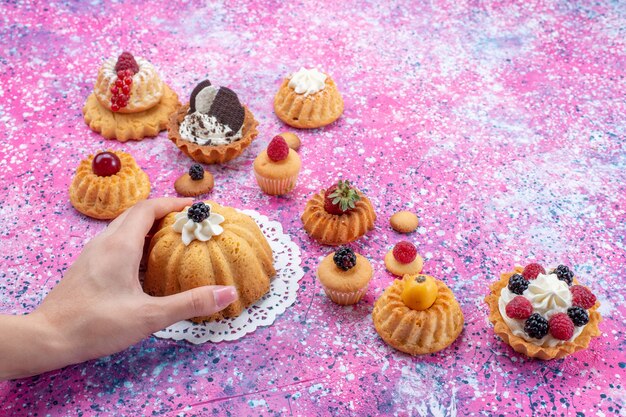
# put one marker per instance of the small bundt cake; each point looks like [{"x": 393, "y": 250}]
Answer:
[
  {"x": 338, "y": 215},
  {"x": 308, "y": 99},
  {"x": 107, "y": 184},
  {"x": 209, "y": 244},
  {"x": 417, "y": 315}
]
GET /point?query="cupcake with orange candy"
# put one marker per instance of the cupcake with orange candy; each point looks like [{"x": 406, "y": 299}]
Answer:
[
  {"x": 277, "y": 167},
  {"x": 543, "y": 315}
]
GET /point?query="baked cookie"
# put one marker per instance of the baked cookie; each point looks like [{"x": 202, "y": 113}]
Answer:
[
  {"x": 338, "y": 215},
  {"x": 345, "y": 276},
  {"x": 293, "y": 141},
  {"x": 418, "y": 315},
  {"x": 108, "y": 183},
  {"x": 404, "y": 222},
  {"x": 214, "y": 127},
  {"x": 403, "y": 259},
  {"x": 308, "y": 99},
  {"x": 543, "y": 315},
  {"x": 276, "y": 169},
  {"x": 129, "y": 101},
  {"x": 195, "y": 182}
]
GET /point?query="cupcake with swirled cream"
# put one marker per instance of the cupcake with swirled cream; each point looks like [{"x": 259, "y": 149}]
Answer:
[
  {"x": 129, "y": 100},
  {"x": 214, "y": 127},
  {"x": 308, "y": 99},
  {"x": 543, "y": 315}
]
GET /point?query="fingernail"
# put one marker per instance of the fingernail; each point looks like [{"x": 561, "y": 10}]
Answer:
[{"x": 224, "y": 296}]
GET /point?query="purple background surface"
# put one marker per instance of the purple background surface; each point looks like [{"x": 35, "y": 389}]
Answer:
[{"x": 503, "y": 126}]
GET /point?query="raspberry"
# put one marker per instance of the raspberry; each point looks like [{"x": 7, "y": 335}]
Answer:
[
  {"x": 196, "y": 172},
  {"x": 561, "y": 326},
  {"x": 536, "y": 326},
  {"x": 519, "y": 308},
  {"x": 198, "y": 212},
  {"x": 579, "y": 315},
  {"x": 404, "y": 252},
  {"x": 518, "y": 284},
  {"x": 532, "y": 270},
  {"x": 582, "y": 297},
  {"x": 344, "y": 258},
  {"x": 564, "y": 274},
  {"x": 126, "y": 61},
  {"x": 278, "y": 149}
]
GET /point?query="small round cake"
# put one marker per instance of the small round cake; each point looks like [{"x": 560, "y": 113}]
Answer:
[
  {"x": 214, "y": 127},
  {"x": 308, "y": 99},
  {"x": 418, "y": 315},
  {"x": 403, "y": 259},
  {"x": 293, "y": 141},
  {"x": 543, "y": 315},
  {"x": 108, "y": 183},
  {"x": 195, "y": 182},
  {"x": 345, "y": 276},
  {"x": 404, "y": 222},
  {"x": 338, "y": 215},
  {"x": 276, "y": 168},
  {"x": 209, "y": 244}
]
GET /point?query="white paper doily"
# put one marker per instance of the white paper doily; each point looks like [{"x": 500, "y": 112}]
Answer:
[{"x": 282, "y": 293}]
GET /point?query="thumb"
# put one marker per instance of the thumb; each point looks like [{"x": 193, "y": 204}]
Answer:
[{"x": 200, "y": 301}]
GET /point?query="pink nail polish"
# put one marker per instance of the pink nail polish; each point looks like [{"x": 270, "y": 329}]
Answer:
[{"x": 224, "y": 296}]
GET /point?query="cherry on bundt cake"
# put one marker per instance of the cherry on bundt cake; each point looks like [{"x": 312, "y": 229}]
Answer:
[{"x": 209, "y": 244}]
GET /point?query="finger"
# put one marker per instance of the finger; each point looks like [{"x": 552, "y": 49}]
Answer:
[
  {"x": 197, "y": 302},
  {"x": 138, "y": 220}
]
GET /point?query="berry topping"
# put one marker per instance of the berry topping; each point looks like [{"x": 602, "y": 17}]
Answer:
[
  {"x": 532, "y": 270},
  {"x": 564, "y": 274},
  {"x": 404, "y": 252},
  {"x": 536, "y": 326},
  {"x": 579, "y": 315},
  {"x": 196, "y": 172},
  {"x": 344, "y": 258},
  {"x": 105, "y": 164},
  {"x": 582, "y": 297},
  {"x": 278, "y": 149},
  {"x": 126, "y": 61},
  {"x": 120, "y": 91},
  {"x": 518, "y": 284},
  {"x": 340, "y": 198},
  {"x": 198, "y": 212},
  {"x": 561, "y": 326},
  {"x": 519, "y": 308}
]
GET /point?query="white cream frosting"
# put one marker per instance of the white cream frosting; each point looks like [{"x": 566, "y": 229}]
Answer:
[
  {"x": 548, "y": 295},
  {"x": 307, "y": 81},
  {"x": 205, "y": 130},
  {"x": 202, "y": 231}
]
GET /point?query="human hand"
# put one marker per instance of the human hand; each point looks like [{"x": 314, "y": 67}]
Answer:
[{"x": 99, "y": 307}]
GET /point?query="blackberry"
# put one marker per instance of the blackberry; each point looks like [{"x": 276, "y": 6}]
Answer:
[
  {"x": 198, "y": 212},
  {"x": 564, "y": 274},
  {"x": 579, "y": 315},
  {"x": 518, "y": 284},
  {"x": 536, "y": 326},
  {"x": 344, "y": 258},
  {"x": 196, "y": 172}
]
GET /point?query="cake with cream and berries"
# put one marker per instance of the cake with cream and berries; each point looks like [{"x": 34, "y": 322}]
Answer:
[
  {"x": 210, "y": 244},
  {"x": 403, "y": 259},
  {"x": 308, "y": 99},
  {"x": 214, "y": 127},
  {"x": 338, "y": 215},
  {"x": 276, "y": 168},
  {"x": 543, "y": 315},
  {"x": 107, "y": 183},
  {"x": 129, "y": 101},
  {"x": 418, "y": 314},
  {"x": 345, "y": 276}
]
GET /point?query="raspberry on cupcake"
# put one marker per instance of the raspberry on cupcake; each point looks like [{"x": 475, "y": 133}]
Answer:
[
  {"x": 403, "y": 259},
  {"x": 276, "y": 168}
]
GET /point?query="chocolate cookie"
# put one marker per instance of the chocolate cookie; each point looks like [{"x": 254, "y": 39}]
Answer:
[{"x": 219, "y": 102}]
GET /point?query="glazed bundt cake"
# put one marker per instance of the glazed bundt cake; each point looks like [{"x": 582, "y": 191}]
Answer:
[
  {"x": 209, "y": 244},
  {"x": 308, "y": 99},
  {"x": 422, "y": 319},
  {"x": 108, "y": 183},
  {"x": 331, "y": 224}
]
